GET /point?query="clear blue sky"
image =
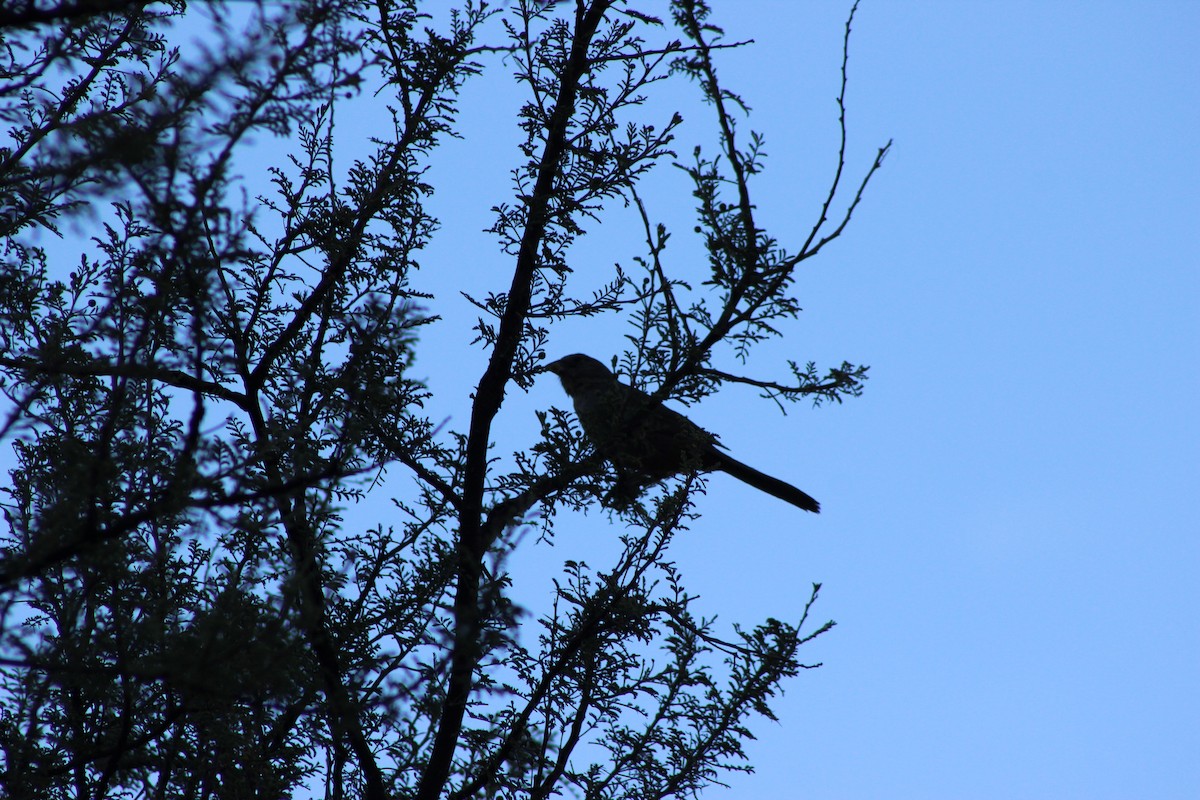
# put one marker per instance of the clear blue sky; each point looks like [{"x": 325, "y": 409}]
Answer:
[{"x": 1009, "y": 540}]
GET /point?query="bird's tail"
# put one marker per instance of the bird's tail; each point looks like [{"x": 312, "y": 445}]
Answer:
[{"x": 765, "y": 483}]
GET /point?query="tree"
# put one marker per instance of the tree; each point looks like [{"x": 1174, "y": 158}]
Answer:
[{"x": 195, "y": 402}]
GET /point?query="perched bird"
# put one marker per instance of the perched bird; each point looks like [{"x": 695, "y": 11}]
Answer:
[{"x": 643, "y": 437}]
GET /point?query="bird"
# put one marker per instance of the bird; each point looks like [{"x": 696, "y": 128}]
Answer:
[{"x": 639, "y": 435}]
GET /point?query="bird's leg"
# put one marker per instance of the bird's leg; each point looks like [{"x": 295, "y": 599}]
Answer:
[{"x": 625, "y": 489}]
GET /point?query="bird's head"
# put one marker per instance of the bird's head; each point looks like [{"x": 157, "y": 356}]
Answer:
[{"x": 577, "y": 371}]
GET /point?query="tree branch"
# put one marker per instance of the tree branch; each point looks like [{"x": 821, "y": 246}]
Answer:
[{"x": 472, "y": 537}]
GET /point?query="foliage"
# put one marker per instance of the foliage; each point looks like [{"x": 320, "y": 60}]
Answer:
[{"x": 200, "y": 388}]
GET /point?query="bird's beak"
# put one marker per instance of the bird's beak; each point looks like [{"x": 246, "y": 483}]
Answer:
[{"x": 553, "y": 366}]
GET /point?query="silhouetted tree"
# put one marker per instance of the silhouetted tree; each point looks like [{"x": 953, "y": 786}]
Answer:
[{"x": 203, "y": 380}]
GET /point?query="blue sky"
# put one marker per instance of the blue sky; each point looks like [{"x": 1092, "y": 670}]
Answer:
[
  {"x": 1009, "y": 542},
  {"x": 1008, "y": 538}
]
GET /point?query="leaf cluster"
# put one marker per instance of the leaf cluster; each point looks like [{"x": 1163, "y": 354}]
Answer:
[{"x": 209, "y": 314}]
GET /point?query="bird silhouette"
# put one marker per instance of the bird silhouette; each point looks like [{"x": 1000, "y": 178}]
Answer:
[{"x": 644, "y": 438}]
